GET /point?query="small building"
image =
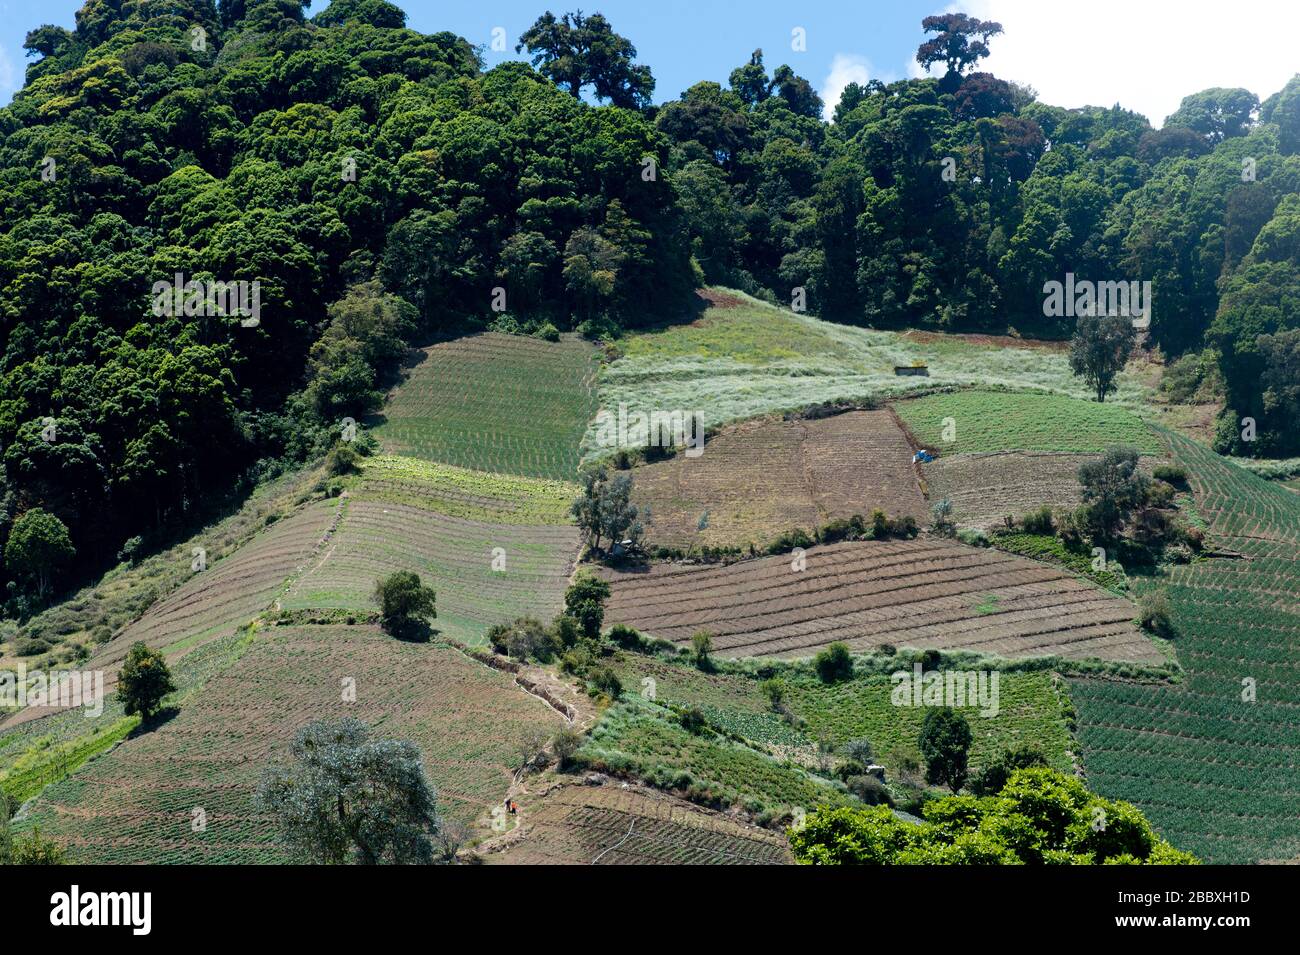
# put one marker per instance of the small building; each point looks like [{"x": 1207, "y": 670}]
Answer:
[{"x": 922, "y": 370}]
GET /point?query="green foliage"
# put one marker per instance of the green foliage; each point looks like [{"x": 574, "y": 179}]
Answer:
[
  {"x": 1113, "y": 488},
  {"x": 834, "y": 664},
  {"x": 403, "y": 601},
  {"x": 1100, "y": 349},
  {"x": 39, "y": 544},
  {"x": 945, "y": 744},
  {"x": 348, "y": 798},
  {"x": 1041, "y": 817},
  {"x": 605, "y": 512},
  {"x": 992, "y": 777},
  {"x": 143, "y": 681},
  {"x": 584, "y": 601}
]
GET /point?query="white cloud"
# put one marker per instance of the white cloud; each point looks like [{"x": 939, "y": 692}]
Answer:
[
  {"x": 847, "y": 68},
  {"x": 8, "y": 77},
  {"x": 1145, "y": 55}
]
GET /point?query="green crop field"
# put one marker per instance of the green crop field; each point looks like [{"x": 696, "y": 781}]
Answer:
[
  {"x": 1033, "y": 709},
  {"x": 492, "y": 402},
  {"x": 641, "y": 737},
  {"x": 493, "y": 547},
  {"x": 1217, "y": 773},
  {"x": 750, "y": 359},
  {"x": 1007, "y": 421}
]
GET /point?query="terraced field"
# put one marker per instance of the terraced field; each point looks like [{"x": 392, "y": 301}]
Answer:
[
  {"x": 137, "y": 802},
  {"x": 919, "y": 593},
  {"x": 985, "y": 488},
  {"x": 612, "y": 825},
  {"x": 493, "y": 547},
  {"x": 745, "y": 359},
  {"x": 452, "y": 555},
  {"x": 1216, "y": 772},
  {"x": 492, "y": 402},
  {"x": 756, "y": 480},
  {"x": 981, "y": 421}
]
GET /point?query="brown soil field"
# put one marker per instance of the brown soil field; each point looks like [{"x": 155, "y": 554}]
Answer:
[
  {"x": 136, "y": 803},
  {"x": 919, "y": 593},
  {"x": 985, "y": 488},
  {"x": 760, "y": 478},
  {"x": 573, "y": 824}
]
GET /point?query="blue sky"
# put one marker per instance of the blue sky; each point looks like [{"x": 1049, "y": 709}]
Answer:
[{"x": 1146, "y": 55}]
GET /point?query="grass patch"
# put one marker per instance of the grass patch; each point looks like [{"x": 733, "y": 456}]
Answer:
[{"x": 1021, "y": 421}]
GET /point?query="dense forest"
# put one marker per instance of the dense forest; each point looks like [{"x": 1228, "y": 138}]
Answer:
[{"x": 381, "y": 188}]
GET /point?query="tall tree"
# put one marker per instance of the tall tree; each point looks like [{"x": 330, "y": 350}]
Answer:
[
  {"x": 959, "y": 42},
  {"x": 348, "y": 798},
  {"x": 577, "y": 51},
  {"x": 1100, "y": 349}
]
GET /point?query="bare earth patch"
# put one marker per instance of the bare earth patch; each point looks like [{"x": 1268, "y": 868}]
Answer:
[{"x": 758, "y": 479}]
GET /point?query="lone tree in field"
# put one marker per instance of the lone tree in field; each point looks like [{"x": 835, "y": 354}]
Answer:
[
  {"x": 1112, "y": 489},
  {"x": 959, "y": 42},
  {"x": 347, "y": 798},
  {"x": 605, "y": 511},
  {"x": 143, "y": 681},
  {"x": 576, "y": 50},
  {"x": 39, "y": 543},
  {"x": 1100, "y": 349},
  {"x": 584, "y": 601},
  {"x": 404, "y": 602},
  {"x": 945, "y": 744}
]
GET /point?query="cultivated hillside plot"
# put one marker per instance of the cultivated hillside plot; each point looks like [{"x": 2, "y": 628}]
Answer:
[
  {"x": 758, "y": 479},
  {"x": 218, "y": 600},
  {"x": 1215, "y": 762},
  {"x": 744, "y": 359},
  {"x": 494, "y": 402},
  {"x": 977, "y": 421},
  {"x": 920, "y": 593},
  {"x": 493, "y": 547},
  {"x": 136, "y": 803},
  {"x": 985, "y": 488},
  {"x": 613, "y": 825}
]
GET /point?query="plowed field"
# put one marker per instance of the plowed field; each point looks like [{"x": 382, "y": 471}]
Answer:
[{"x": 920, "y": 593}]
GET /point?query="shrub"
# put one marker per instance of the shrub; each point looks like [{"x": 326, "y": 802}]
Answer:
[
  {"x": 565, "y": 743},
  {"x": 1170, "y": 474},
  {"x": 606, "y": 681},
  {"x": 869, "y": 789},
  {"x": 693, "y": 721},
  {"x": 702, "y": 645},
  {"x": 1039, "y": 521},
  {"x": 626, "y": 637},
  {"x": 834, "y": 664},
  {"x": 547, "y": 332},
  {"x": 774, "y": 690},
  {"x": 342, "y": 459},
  {"x": 941, "y": 521},
  {"x": 1154, "y": 613}
]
